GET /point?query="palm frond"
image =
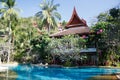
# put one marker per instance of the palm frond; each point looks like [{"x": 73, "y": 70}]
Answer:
[
  {"x": 48, "y": 13},
  {"x": 10, "y": 3},
  {"x": 44, "y": 5},
  {"x": 39, "y": 14},
  {"x": 3, "y": 0},
  {"x": 51, "y": 4},
  {"x": 54, "y": 22},
  {"x": 3, "y": 4},
  {"x": 57, "y": 15},
  {"x": 44, "y": 22},
  {"x": 54, "y": 7},
  {"x": 48, "y": 3},
  {"x": 2, "y": 10}
]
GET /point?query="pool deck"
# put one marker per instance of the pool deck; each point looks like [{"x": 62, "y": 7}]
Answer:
[
  {"x": 3, "y": 69},
  {"x": 9, "y": 64},
  {"x": 4, "y": 66}
]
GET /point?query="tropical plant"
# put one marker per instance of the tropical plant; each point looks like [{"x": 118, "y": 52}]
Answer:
[
  {"x": 39, "y": 45},
  {"x": 107, "y": 31},
  {"x": 67, "y": 47},
  {"x": 10, "y": 14},
  {"x": 24, "y": 33},
  {"x": 48, "y": 14}
]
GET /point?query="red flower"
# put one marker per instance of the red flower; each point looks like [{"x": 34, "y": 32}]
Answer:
[{"x": 100, "y": 30}]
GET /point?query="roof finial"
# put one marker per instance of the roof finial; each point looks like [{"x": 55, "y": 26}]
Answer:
[{"x": 74, "y": 10}]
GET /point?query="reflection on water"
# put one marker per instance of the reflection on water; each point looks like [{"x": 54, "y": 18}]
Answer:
[{"x": 8, "y": 75}]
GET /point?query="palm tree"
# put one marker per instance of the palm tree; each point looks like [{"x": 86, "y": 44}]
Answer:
[
  {"x": 9, "y": 13},
  {"x": 48, "y": 14}
]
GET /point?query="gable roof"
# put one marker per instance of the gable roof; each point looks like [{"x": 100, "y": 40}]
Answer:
[{"x": 75, "y": 21}]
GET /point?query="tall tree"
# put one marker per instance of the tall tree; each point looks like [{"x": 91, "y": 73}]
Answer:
[
  {"x": 107, "y": 34},
  {"x": 9, "y": 13},
  {"x": 48, "y": 14}
]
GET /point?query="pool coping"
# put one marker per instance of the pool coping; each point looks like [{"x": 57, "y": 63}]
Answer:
[
  {"x": 55, "y": 65},
  {"x": 9, "y": 64}
]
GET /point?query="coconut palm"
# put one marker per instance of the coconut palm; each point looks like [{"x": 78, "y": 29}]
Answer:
[
  {"x": 9, "y": 13},
  {"x": 48, "y": 14}
]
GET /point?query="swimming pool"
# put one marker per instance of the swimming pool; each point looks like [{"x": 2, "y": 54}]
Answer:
[{"x": 29, "y": 72}]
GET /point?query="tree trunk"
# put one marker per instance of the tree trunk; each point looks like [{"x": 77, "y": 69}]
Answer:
[
  {"x": 49, "y": 28},
  {"x": 10, "y": 33}
]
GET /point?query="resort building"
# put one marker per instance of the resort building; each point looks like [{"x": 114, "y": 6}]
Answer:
[
  {"x": 74, "y": 26},
  {"x": 77, "y": 26}
]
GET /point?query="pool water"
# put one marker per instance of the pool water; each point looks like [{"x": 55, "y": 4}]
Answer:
[{"x": 28, "y": 72}]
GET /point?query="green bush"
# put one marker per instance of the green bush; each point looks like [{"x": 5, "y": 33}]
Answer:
[{"x": 68, "y": 63}]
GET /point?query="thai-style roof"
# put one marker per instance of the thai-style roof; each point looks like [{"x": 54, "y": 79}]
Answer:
[
  {"x": 74, "y": 26},
  {"x": 75, "y": 21},
  {"x": 76, "y": 30}
]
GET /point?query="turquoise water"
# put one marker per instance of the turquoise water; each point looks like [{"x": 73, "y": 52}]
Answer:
[{"x": 28, "y": 72}]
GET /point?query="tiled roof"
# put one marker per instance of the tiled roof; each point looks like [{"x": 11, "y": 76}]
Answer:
[{"x": 75, "y": 30}]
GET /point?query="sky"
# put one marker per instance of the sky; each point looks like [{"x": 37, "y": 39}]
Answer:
[{"x": 86, "y": 9}]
